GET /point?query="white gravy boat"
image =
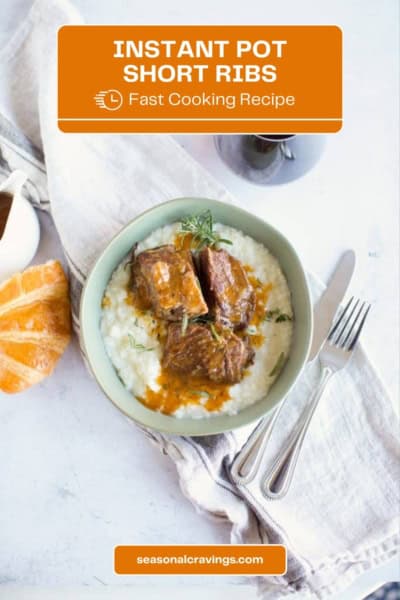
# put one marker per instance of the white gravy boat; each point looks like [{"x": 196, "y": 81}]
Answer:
[{"x": 19, "y": 227}]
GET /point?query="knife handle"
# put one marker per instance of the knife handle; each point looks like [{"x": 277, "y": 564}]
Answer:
[{"x": 277, "y": 482}]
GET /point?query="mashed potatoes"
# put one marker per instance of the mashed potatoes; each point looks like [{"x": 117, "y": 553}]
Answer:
[{"x": 131, "y": 336}]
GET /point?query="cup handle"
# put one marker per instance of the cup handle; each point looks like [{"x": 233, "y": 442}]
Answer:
[{"x": 286, "y": 151}]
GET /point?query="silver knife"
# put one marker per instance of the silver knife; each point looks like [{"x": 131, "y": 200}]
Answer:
[
  {"x": 327, "y": 305},
  {"x": 244, "y": 467}
]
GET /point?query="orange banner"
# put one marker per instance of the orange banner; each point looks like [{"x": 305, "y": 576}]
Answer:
[
  {"x": 200, "y": 560},
  {"x": 200, "y": 79}
]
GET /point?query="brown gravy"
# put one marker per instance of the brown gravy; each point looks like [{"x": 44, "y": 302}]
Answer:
[{"x": 5, "y": 207}]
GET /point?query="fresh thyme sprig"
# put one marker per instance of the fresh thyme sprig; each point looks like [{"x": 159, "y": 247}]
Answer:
[
  {"x": 215, "y": 334},
  {"x": 277, "y": 316},
  {"x": 201, "y": 393},
  {"x": 202, "y": 319},
  {"x": 283, "y": 317},
  {"x": 185, "y": 322},
  {"x": 251, "y": 330},
  {"x": 136, "y": 346},
  {"x": 201, "y": 228}
]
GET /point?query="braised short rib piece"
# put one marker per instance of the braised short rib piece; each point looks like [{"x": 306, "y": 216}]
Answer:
[
  {"x": 165, "y": 280},
  {"x": 228, "y": 292},
  {"x": 216, "y": 354}
]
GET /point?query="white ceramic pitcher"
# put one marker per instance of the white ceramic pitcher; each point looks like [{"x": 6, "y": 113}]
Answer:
[{"x": 20, "y": 235}]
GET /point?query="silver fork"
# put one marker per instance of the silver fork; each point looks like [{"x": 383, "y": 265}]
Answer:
[{"x": 334, "y": 356}]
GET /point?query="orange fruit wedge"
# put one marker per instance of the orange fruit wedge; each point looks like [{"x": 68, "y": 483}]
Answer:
[{"x": 35, "y": 325}]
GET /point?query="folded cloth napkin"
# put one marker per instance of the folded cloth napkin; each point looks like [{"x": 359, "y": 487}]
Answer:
[{"x": 339, "y": 518}]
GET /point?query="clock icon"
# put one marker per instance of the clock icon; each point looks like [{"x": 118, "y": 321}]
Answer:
[{"x": 109, "y": 99}]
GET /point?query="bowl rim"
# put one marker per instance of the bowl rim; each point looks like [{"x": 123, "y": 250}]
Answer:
[{"x": 209, "y": 420}]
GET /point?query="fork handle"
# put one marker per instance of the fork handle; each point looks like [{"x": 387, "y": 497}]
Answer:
[
  {"x": 277, "y": 482},
  {"x": 246, "y": 464}
]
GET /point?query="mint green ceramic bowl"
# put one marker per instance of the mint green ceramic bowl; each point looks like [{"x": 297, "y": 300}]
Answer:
[{"x": 117, "y": 249}]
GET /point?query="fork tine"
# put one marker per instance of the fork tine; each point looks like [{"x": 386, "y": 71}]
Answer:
[
  {"x": 346, "y": 323},
  {"x": 333, "y": 330},
  {"x": 352, "y": 325},
  {"x": 361, "y": 325}
]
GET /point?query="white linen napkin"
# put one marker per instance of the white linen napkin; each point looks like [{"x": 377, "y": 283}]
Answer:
[{"x": 339, "y": 518}]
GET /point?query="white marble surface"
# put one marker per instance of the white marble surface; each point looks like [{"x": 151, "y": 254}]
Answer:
[{"x": 75, "y": 476}]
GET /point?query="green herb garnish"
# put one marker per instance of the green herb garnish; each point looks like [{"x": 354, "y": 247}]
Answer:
[
  {"x": 271, "y": 314},
  {"x": 277, "y": 316},
  {"x": 215, "y": 334},
  {"x": 251, "y": 330},
  {"x": 200, "y": 393},
  {"x": 283, "y": 317},
  {"x": 201, "y": 319},
  {"x": 278, "y": 365},
  {"x": 134, "y": 344},
  {"x": 201, "y": 227},
  {"x": 185, "y": 321}
]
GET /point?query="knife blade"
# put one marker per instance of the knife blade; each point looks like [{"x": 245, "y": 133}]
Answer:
[{"x": 327, "y": 305}]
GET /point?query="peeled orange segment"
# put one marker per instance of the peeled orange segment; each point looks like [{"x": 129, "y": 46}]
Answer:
[{"x": 35, "y": 325}]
